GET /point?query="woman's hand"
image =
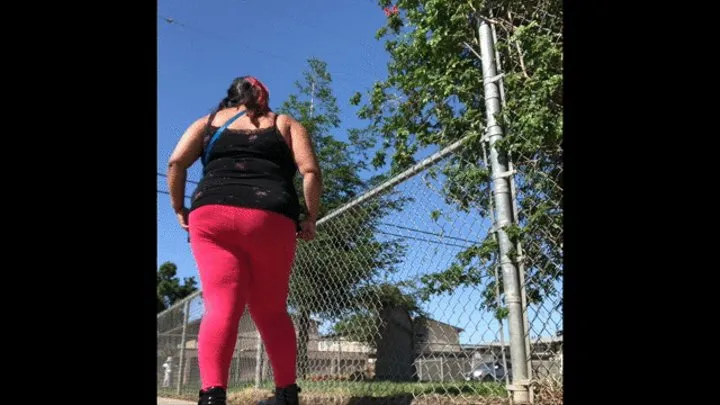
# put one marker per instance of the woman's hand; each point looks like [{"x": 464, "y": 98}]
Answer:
[
  {"x": 307, "y": 229},
  {"x": 182, "y": 217}
]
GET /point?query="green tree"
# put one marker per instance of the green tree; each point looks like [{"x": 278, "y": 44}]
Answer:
[
  {"x": 169, "y": 288},
  {"x": 433, "y": 95},
  {"x": 331, "y": 271}
]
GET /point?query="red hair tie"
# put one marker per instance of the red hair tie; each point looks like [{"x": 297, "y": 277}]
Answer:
[{"x": 264, "y": 95}]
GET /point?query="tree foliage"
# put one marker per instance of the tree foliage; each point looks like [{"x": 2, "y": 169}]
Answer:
[
  {"x": 433, "y": 95},
  {"x": 169, "y": 288},
  {"x": 331, "y": 271}
]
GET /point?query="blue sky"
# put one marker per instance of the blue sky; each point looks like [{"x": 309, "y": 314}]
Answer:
[{"x": 211, "y": 42}]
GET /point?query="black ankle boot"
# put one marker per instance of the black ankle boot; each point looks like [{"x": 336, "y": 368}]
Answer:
[
  {"x": 212, "y": 396},
  {"x": 284, "y": 396}
]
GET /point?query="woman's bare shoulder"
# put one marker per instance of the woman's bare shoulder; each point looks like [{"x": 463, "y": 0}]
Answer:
[{"x": 284, "y": 122}]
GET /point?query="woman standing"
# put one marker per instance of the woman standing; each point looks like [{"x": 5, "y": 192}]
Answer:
[{"x": 243, "y": 223}]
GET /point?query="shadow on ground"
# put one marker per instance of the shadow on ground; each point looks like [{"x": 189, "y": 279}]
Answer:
[
  {"x": 252, "y": 396},
  {"x": 546, "y": 393}
]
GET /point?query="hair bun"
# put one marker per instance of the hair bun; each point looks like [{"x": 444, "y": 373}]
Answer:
[{"x": 249, "y": 91}]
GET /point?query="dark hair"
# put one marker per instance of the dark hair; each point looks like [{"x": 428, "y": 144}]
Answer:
[{"x": 249, "y": 91}]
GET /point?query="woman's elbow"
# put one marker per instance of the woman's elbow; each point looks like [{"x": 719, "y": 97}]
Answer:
[
  {"x": 312, "y": 172},
  {"x": 176, "y": 164}
]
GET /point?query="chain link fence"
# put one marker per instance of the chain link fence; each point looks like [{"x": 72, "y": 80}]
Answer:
[
  {"x": 528, "y": 41},
  {"x": 366, "y": 322},
  {"x": 370, "y": 313},
  {"x": 443, "y": 284}
]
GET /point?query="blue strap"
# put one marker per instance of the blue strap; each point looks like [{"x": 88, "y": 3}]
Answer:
[{"x": 217, "y": 135}]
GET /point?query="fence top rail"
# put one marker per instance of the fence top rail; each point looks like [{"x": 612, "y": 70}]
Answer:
[
  {"x": 407, "y": 174},
  {"x": 180, "y": 303},
  {"x": 399, "y": 178}
]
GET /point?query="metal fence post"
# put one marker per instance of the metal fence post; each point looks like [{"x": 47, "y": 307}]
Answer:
[
  {"x": 504, "y": 217},
  {"x": 561, "y": 360},
  {"x": 442, "y": 370},
  {"x": 339, "y": 358},
  {"x": 513, "y": 197},
  {"x": 183, "y": 337},
  {"x": 265, "y": 367},
  {"x": 237, "y": 360},
  {"x": 258, "y": 361}
]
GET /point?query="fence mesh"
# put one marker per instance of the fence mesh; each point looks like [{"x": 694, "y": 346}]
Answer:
[
  {"x": 400, "y": 296},
  {"x": 529, "y": 44},
  {"x": 367, "y": 323}
]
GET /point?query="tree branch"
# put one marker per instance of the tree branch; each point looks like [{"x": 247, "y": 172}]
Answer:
[
  {"x": 520, "y": 54},
  {"x": 470, "y": 48}
]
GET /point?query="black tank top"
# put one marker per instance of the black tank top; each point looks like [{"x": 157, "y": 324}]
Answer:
[{"x": 250, "y": 169}]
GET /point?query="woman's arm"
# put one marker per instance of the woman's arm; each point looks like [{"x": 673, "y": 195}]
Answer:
[
  {"x": 186, "y": 152},
  {"x": 309, "y": 168}
]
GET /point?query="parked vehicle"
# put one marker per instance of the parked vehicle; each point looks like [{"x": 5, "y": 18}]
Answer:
[{"x": 490, "y": 371}]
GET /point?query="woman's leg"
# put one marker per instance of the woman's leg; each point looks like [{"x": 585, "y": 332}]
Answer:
[
  {"x": 224, "y": 275},
  {"x": 272, "y": 250}
]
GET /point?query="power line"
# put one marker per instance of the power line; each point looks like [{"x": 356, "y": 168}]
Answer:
[
  {"x": 382, "y": 223},
  {"x": 394, "y": 234},
  {"x": 422, "y": 240},
  {"x": 165, "y": 192},
  {"x": 187, "y": 180},
  {"x": 430, "y": 233},
  {"x": 173, "y": 21}
]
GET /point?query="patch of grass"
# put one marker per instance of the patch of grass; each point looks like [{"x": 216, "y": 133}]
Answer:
[
  {"x": 352, "y": 391},
  {"x": 547, "y": 392},
  {"x": 389, "y": 388}
]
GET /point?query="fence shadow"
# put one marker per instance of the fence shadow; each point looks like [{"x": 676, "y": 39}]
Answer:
[{"x": 403, "y": 399}]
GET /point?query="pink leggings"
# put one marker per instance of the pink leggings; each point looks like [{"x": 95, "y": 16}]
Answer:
[{"x": 244, "y": 257}]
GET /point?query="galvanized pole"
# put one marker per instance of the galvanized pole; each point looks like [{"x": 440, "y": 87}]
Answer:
[
  {"x": 498, "y": 298},
  {"x": 339, "y": 358},
  {"x": 504, "y": 217},
  {"x": 561, "y": 362},
  {"x": 513, "y": 197},
  {"x": 265, "y": 367},
  {"x": 258, "y": 361},
  {"x": 442, "y": 370},
  {"x": 237, "y": 360},
  {"x": 183, "y": 338}
]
